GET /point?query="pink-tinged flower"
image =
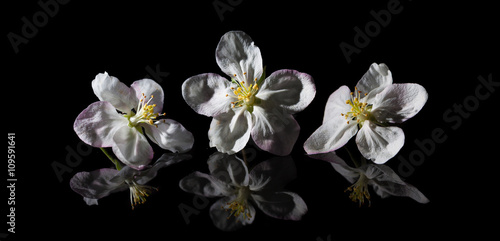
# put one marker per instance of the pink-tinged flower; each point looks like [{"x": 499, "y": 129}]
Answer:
[
  {"x": 249, "y": 104},
  {"x": 372, "y": 108},
  {"x": 122, "y": 117},
  {"x": 100, "y": 183},
  {"x": 383, "y": 180},
  {"x": 241, "y": 190}
]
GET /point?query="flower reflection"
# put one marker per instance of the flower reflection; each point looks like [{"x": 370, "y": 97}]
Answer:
[
  {"x": 100, "y": 183},
  {"x": 383, "y": 180},
  {"x": 241, "y": 190}
]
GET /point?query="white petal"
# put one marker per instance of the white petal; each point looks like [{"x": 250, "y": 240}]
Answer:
[
  {"x": 206, "y": 94},
  {"x": 97, "y": 184},
  {"x": 170, "y": 135},
  {"x": 349, "y": 173},
  {"x": 228, "y": 169},
  {"x": 281, "y": 205},
  {"x": 132, "y": 148},
  {"x": 330, "y": 136},
  {"x": 379, "y": 144},
  {"x": 97, "y": 124},
  {"x": 289, "y": 89},
  {"x": 386, "y": 182},
  {"x": 237, "y": 54},
  {"x": 109, "y": 88},
  {"x": 336, "y": 103},
  {"x": 90, "y": 201},
  {"x": 330, "y": 157},
  {"x": 204, "y": 185},
  {"x": 375, "y": 79},
  {"x": 229, "y": 132},
  {"x": 399, "y": 102},
  {"x": 149, "y": 88},
  {"x": 275, "y": 173},
  {"x": 165, "y": 160},
  {"x": 274, "y": 130}
]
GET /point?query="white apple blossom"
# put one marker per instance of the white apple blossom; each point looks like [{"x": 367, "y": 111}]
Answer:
[
  {"x": 372, "y": 108},
  {"x": 121, "y": 115},
  {"x": 249, "y": 104},
  {"x": 100, "y": 183},
  {"x": 241, "y": 190},
  {"x": 383, "y": 180}
]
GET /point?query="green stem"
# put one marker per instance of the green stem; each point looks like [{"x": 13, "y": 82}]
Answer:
[
  {"x": 112, "y": 159},
  {"x": 244, "y": 156}
]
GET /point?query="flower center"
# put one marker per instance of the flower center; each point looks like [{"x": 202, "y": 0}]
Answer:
[
  {"x": 138, "y": 193},
  {"x": 360, "y": 111},
  {"x": 359, "y": 191},
  {"x": 145, "y": 113},
  {"x": 240, "y": 205},
  {"x": 245, "y": 94}
]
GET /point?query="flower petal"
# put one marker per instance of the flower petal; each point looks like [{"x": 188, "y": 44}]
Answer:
[
  {"x": 377, "y": 76},
  {"x": 228, "y": 169},
  {"x": 170, "y": 135},
  {"x": 206, "y": 94},
  {"x": 330, "y": 136},
  {"x": 204, "y": 185},
  {"x": 399, "y": 102},
  {"x": 149, "y": 88},
  {"x": 379, "y": 144},
  {"x": 274, "y": 130},
  {"x": 289, "y": 89},
  {"x": 237, "y": 55},
  {"x": 90, "y": 201},
  {"x": 281, "y": 205},
  {"x": 165, "y": 160},
  {"x": 97, "y": 184},
  {"x": 336, "y": 103},
  {"x": 279, "y": 170},
  {"x": 229, "y": 132},
  {"x": 330, "y": 157},
  {"x": 110, "y": 89},
  {"x": 223, "y": 219},
  {"x": 386, "y": 182},
  {"x": 132, "y": 148},
  {"x": 97, "y": 124},
  {"x": 400, "y": 190},
  {"x": 349, "y": 173}
]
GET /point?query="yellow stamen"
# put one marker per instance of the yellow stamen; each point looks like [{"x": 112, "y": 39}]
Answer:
[
  {"x": 240, "y": 205},
  {"x": 139, "y": 193},
  {"x": 359, "y": 111},
  {"x": 359, "y": 190}
]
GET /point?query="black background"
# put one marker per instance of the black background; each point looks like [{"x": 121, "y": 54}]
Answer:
[{"x": 442, "y": 46}]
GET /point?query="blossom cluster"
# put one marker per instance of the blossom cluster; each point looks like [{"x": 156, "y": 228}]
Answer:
[{"x": 246, "y": 105}]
